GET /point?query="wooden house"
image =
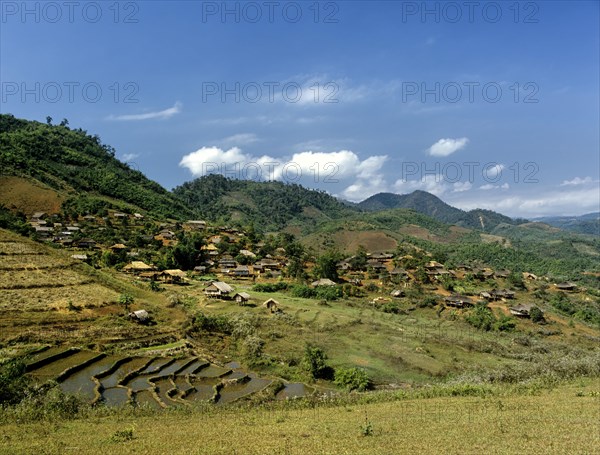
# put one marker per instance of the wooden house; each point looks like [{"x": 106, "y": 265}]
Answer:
[
  {"x": 323, "y": 282},
  {"x": 241, "y": 271},
  {"x": 218, "y": 290},
  {"x": 241, "y": 297},
  {"x": 457, "y": 301},
  {"x": 272, "y": 305},
  {"x": 173, "y": 276},
  {"x": 523, "y": 310},
  {"x": 137, "y": 267},
  {"x": 566, "y": 286},
  {"x": 140, "y": 316}
]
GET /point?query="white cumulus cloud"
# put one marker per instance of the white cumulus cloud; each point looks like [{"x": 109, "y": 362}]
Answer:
[
  {"x": 446, "y": 147},
  {"x": 360, "y": 177}
]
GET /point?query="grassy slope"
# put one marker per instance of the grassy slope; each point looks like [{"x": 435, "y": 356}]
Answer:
[
  {"x": 555, "y": 422},
  {"x": 76, "y": 164},
  {"x": 37, "y": 282},
  {"x": 413, "y": 348}
]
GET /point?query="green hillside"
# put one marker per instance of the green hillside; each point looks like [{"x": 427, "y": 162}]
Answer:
[
  {"x": 431, "y": 205},
  {"x": 583, "y": 224},
  {"x": 269, "y": 206},
  {"x": 79, "y": 167}
]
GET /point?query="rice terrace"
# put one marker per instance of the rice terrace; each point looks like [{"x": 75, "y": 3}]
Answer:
[{"x": 297, "y": 228}]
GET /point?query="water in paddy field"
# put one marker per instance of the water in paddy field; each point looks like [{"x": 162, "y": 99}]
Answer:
[
  {"x": 182, "y": 384},
  {"x": 139, "y": 383},
  {"x": 155, "y": 366},
  {"x": 201, "y": 392},
  {"x": 116, "y": 376},
  {"x": 155, "y": 382},
  {"x": 231, "y": 393},
  {"x": 212, "y": 371},
  {"x": 163, "y": 386},
  {"x": 294, "y": 390},
  {"x": 41, "y": 355},
  {"x": 52, "y": 370},
  {"x": 193, "y": 367},
  {"x": 81, "y": 382},
  {"x": 173, "y": 367},
  {"x": 145, "y": 398},
  {"x": 115, "y": 396}
]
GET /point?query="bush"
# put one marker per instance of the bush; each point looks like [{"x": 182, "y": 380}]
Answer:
[
  {"x": 505, "y": 324},
  {"x": 371, "y": 287},
  {"x": 303, "y": 291},
  {"x": 481, "y": 317},
  {"x": 537, "y": 315},
  {"x": 253, "y": 347},
  {"x": 392, "y": 307},
  {"x": 427, "y": 302},
  {"x": 352, "y": 379},
  {"x": 13, "y": 382},
  {"x": 270, "y": 287},
  {"x": 314, "y": 362},
  {"x": 209, "y": 323}
]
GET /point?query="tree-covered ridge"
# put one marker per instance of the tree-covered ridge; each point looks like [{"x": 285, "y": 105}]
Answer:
[
  {"x": 267, "y": 205},
  {"x": 431, "y": 205},
  {"x": 71, "y": 159}
]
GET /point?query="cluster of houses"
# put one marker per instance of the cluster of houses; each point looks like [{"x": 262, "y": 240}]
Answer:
[
  {"x": 223, "y": 291},
  {"x": 48, "y": 229},
  {"x": 247, "y": 265}
]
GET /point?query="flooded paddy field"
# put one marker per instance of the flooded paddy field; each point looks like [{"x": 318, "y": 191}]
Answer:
[{"x": 156, "y": 382}]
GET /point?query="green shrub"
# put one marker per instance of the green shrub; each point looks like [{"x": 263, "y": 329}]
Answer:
[
  {"x": 314, "y": 362},
  {"x": 481, "y": 317},
  {"x": 210, "y": 323},
  {"x": 270, "y": 287},
  {"x": 505, "y": 324},
  {"x": 537, "y": 315},
  {"x": 13, "y": 382},
  {"x": 352, "y": 379}
]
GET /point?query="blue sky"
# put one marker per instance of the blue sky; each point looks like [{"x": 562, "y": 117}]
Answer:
[{"x": 495, "y": 107}]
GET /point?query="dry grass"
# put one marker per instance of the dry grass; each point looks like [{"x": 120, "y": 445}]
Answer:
[
  {"x": 48, "y": 298},
  {"x": 36, "y": 278},
  {"x": 27, "y": 194},
  {"x": 88, "y": 296},
  {"x": 565, "y": 420}
]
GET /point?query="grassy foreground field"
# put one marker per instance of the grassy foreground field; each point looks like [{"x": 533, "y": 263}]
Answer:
[{"x": 560, "y": 421}]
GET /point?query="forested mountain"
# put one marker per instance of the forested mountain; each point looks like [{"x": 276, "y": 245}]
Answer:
[
  {"x": 80, "y": 167},
  {"x": 267, "y": 205},
  {"x": 583, "y": 224},
  {"x": 431, "y": 205}
]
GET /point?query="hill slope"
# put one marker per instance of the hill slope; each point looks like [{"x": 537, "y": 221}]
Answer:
[
  {"x": 78, "y": 168},
  {"x": 267, "y": 205},
  {"x": 48, "y": 297},
  {"x": 431, "y": 205},
  {"x": 584, "y": 224}
]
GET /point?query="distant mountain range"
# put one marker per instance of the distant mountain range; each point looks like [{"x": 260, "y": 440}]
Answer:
[
  {"x": 430, "y": 205},
  {"x": 52, "y": 167},
  {"x": 583, "y": 224}
]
